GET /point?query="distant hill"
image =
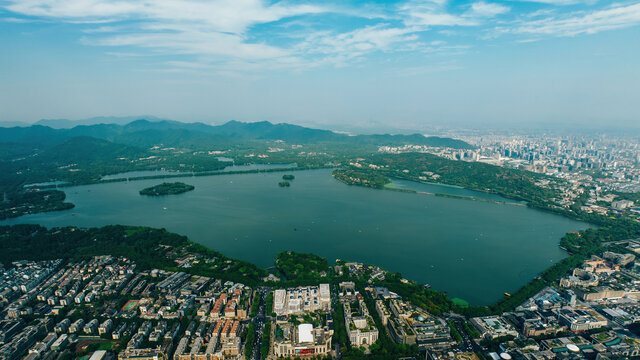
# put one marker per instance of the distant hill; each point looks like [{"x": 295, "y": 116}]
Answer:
[
  {"x": 68, "y": 124},
  {"x": 35, "y": 135},
  {"x": 7, "y": 124},
  {"x": 145, "y": 133},
  {"x": 21, "y": 163}
]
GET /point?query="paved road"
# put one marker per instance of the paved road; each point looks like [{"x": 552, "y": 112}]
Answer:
[
  {"x": 259, "y": 322},
  {"x": 467, "y": 344}
]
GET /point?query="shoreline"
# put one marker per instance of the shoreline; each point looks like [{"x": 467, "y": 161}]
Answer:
[{"x": 275, "y": 170}]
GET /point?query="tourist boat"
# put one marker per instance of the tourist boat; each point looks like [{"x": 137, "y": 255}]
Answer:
[{"x": 507, "y": 294}]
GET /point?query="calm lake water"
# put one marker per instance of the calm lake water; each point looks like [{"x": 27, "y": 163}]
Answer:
[
  {"x": 133, "y": 174},
  {"x": 471, "y": 249}
]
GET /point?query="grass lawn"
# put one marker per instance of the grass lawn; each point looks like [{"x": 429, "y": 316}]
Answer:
[{"x": 460, "y": 302}]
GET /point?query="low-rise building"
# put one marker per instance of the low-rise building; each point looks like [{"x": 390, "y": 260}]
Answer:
[
  {"x": 302, "y": 300},
  {"x": 581, "y": 319},
  {"x": 360, "y": 326},
  {"x": 491, "y": 327},
  {"x": 303, "y": 340},
  {"x": 141, "y": 354}
]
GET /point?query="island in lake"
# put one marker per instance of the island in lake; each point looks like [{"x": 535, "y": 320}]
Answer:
[{"x": 167, "y": 189}]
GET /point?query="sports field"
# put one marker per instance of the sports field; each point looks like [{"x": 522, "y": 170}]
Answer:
[{"x": 130, "y": 305}]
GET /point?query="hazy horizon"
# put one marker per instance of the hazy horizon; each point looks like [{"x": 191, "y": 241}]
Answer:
[
  {"x": 339, "y": 65},
  {"x": 427, "y": 130}
]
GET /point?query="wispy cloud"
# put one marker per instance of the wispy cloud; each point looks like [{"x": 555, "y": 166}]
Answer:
[
  {"x": 15, "y": 20},
  {"x": 192, "y": 42},
  {"x": 227, "y": 34},
  {"x": 427, "y": 14},
  {"x": 101, "y": 29},
  {"x": 233, "y": 16},
  {"x": 484, "y": 9},
  {"x": 192, "y": 27},
  {"x": 557, "y": 2},
  {"x": 339, "y": 49},
  {"x": 616, "y": 17}
]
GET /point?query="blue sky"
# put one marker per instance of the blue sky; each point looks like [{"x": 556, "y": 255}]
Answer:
[{"x": 346, "y": 64}]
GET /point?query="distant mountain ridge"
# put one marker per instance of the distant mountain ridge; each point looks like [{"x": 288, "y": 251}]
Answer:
[
  {"x": 7, "y": 124},
  {"x": 68, "y": 124},
  {"x": 145, "y": 133}
]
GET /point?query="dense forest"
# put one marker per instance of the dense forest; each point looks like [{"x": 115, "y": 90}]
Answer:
[
  {"x": 512, "y": 183},
  {"x": 364, "y": 178},
  {"x": 148, "y": 247},
  {"x": 302, "y": 268},
  {"x": 31, "y": 202},
  {"x": 34, "y": 242}
]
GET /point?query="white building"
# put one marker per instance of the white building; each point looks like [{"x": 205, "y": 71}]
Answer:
[
  {"x": 302, "y": 300},
  {"x": 305, "y": 340}
]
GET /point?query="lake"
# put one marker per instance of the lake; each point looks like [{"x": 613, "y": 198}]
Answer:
[
  {"x": 230, "y": 168},
  {"x": 473, "y": 250}
]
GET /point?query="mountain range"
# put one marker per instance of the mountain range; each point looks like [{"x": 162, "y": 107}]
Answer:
[
  {"x": 68, "y": 124},
  {"x": 145, "y": 133}
]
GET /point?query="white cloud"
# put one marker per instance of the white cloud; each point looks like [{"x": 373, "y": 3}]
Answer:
[
  {"x": 617, "y": 17},
  {"x": 541, "y": 13},
  {"x": 340, "y": 49},
  {"x": 427, "y": 14},
  {"x": 15, "y": 20},
  {"x": 72, "y": 8},
  {"x": 219, "y": 15},
  {"x": 557, "y": 2},
  {"x": 222, "y": 33},
  {"x": 193, "y": 27},
  {"x": 101, "y": 29},
  {"x": 192, "y": 43},
  {"x": 489, "y": 10}
]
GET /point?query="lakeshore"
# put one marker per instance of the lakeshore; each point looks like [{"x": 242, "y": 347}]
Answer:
[{"x": 400, "y": 231}]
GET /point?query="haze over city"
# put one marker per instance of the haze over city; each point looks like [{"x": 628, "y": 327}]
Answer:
[{"x": 339, "y": 65}]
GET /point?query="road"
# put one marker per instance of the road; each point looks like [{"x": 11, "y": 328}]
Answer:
[
  {"x": 467, "y": 344},
  {"x": 259, "y": 322}
]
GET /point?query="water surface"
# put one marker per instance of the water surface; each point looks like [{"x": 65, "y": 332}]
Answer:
[
  {"x": 230, "y": 168},
  {"x": 472, "y": 249}
]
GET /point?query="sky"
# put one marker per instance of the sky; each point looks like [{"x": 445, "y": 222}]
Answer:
[{"x": 346, "y": 64}]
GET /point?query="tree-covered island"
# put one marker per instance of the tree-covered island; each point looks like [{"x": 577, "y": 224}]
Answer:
[
  {"x": 361, "y": 178},
  {"x": 167, "y": 189}
]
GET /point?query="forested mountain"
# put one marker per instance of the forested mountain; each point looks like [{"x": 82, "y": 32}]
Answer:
[
  {"x": 68, "y": 124},
  {"x": 145, "y": 133}
]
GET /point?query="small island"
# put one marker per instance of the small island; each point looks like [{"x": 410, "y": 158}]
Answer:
[
  {"x": 361, "y": 178},
  {"x": 284, "y": 184},
  {"x": 167, "y": 189},
  {"x": 288, "y": 177}
]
